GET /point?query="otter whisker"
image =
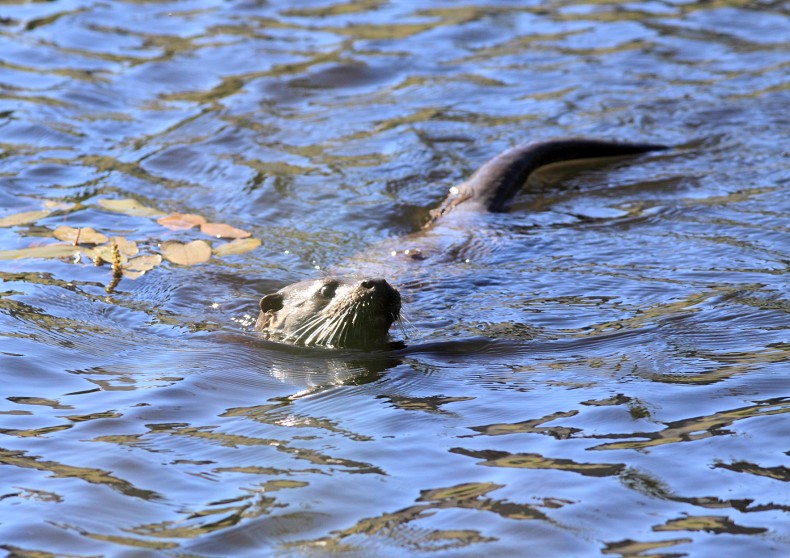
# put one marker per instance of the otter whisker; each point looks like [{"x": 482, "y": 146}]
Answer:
[
  {"x": 327, "y": 333},
  {"x": 347, "y": 325},
  {"x": 340, "y": 334},
  {"x": 309, "y": 330},
  {"x": 334, "y": 326},
  {"x": 405, "y": 325},
  {"x": 307, "y": 326},
  {"x": 331, "y": 328},
  {"x": 319, "y": 335}
]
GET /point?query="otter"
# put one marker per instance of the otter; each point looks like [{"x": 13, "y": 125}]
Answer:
[{"x": 341, "y": 312}]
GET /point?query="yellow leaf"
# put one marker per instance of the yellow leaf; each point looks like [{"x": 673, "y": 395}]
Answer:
[
  {"x": 129, "y": 207},
  {"x": 49, "y": 251},
  {"x": 195, "y": 252},
  {"x": 87, "y": 235},
  {"x": 127, "y": 247},
  {"x": 219, "y": 230},
  {"x": 181, "y": 221},
  {"x": 238, "y": 246},
  {"x": 53, "y": 205},
  {"x": 23, "y": 218},
  {"x": 139, "y": 265}
]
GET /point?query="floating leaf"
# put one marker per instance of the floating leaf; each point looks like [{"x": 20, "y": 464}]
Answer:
[
  {"x": 101, "y": 254},
  {"x": 54, "y": 205},
  {"x": 195, "y": 252},
  {"x": 84, "y": 235},
  {"x": 23, "y": 218},
  {"x": 127, "y": 248},
  {"x": 238, "y": 246},
  {"x": 219, "y": 230},
  {"x": 181, "y": 221},
  {"x": 129, "y": 207},
  {"x": 136, "y": 267},
  {"x": 49, "y": 251}
]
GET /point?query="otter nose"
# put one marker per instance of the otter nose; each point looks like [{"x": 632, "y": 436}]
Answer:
[{"x": 375, "y": 284}]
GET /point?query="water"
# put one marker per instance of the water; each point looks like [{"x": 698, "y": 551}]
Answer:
[{"x": 601, "y": 371}]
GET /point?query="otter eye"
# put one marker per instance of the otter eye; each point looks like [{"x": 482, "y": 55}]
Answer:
[{"x": 328, "y": 290}]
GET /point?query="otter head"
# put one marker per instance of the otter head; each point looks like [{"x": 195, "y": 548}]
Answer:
[{"x": 331, "y": 312}]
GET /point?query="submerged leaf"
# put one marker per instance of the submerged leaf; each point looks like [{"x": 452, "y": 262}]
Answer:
[
  {"x": 49, "y": 251},
  {"x": 220, "y": 230},
  {"x": 129, "y": 207},
  {"x": 238, "y": 246},
  {"x": 85, "y": 235},
  {"x": 23, "y": 218},
  {"x": 181, "y": 221},
  {"x": 195, "y": 252}
]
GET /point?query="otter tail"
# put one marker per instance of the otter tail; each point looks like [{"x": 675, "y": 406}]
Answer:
[{"x": 495, "y": 183}]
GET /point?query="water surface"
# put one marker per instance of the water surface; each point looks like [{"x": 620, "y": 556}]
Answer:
[{"x": 601, "y": 371}]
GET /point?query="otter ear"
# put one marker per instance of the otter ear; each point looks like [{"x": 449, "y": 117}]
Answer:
[{"x": 271, "y": 302}]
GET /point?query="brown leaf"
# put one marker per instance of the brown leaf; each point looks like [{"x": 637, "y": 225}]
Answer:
[
  {"x": 220, "y": 230},
  {"x": 181, "y": 221},
  {"x": 23, "y": 218},
  {"x": 87, "y": 235},
  {"x": 136, "y": 267},
  {"x": 195, "y": 252},
  {"x": 238, "y": 246},
  {"x": 129, "y": 207}
]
